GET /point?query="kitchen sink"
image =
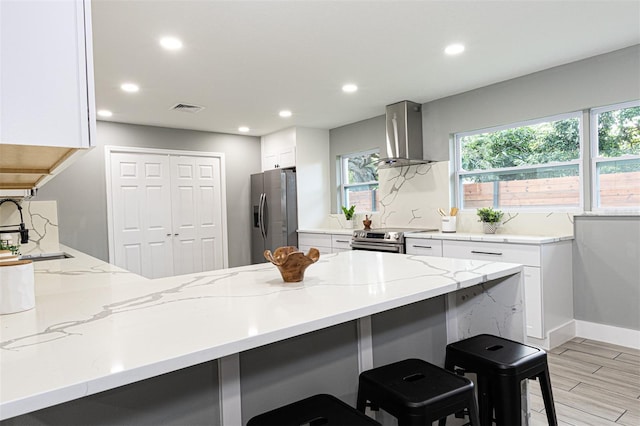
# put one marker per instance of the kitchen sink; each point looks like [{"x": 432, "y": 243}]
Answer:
[{"x": 46, "y": 256}]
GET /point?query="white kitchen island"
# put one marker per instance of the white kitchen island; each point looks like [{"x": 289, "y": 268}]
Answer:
[{"x": 222, "y": 346}]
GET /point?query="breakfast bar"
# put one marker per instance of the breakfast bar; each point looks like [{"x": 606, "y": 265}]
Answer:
[{"x": 222, "y": 346}]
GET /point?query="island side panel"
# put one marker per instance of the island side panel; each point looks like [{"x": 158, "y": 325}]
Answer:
[{"x": 494, "y": 307}]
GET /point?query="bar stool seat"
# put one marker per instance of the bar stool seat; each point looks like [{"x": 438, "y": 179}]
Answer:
[
  {"x": 501, "y": 364},
  {"x": 416, "y": 392},
  {"x": 316, "y": 410}
]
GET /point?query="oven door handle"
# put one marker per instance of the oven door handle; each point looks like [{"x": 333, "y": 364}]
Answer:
[{"x": 393, "y": 248}]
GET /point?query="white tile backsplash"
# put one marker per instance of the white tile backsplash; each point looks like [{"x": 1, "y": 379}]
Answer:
[{"x": 410, "y": 197}]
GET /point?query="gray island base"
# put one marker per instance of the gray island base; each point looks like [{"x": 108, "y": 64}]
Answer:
[{"x": 106, "y": 347}]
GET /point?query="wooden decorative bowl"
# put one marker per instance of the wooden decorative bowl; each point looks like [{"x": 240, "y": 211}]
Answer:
[{"x": 291, "y": 263}]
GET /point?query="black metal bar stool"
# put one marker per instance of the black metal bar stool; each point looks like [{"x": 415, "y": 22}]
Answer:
[
  {"x": 316, "y": 410},
  {"x": 416, "y": 392},
  {"x": 501, "y": 365}
]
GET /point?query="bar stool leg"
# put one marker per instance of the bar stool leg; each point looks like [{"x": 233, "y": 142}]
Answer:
[
  {"x": 473, "y": 412},
  {"x": 361, "y": 403},
  {"x": 411, "y": 421},
  {"x": 507, "y": 401},
  {"x": 484, "y": 400},
  {"x": 547, "y": 396}
]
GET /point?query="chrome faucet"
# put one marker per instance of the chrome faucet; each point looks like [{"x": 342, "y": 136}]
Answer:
[{"x": 24, "y": 232}]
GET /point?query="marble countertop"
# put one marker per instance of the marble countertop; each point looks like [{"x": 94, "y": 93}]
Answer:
[
  {"x": 493, "y": 238},
  {"x": 97, "y": 327},
  {"x": 462, "y": 236}
]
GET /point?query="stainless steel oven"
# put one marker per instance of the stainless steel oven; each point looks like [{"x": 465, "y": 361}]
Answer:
[{"x": 388, "y": 240}]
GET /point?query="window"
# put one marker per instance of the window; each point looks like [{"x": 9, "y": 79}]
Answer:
[
  {"x": 359, "y": 180},
  {"x": 615, "y": 153},
  {"x": 533, "y": 164}
]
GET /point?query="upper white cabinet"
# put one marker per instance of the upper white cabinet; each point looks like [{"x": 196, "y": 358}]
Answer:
[
  {"x": 46, "y": 70},
  {"x": 279, "y": 150},
  {"x": 307, "y": 150}
]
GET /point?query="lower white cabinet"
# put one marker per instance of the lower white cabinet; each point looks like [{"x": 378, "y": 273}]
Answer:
[
  {"x": 325, "y": 243},
  {"x": 340, "y": 243},
  {"x": 423, "y": 247},
  {"x": 548, "y": 279}
]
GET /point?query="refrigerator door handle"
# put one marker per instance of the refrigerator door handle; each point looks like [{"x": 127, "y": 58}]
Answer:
[{"x": 263, "y": 197}]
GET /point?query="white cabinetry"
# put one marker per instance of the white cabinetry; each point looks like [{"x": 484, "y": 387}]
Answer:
[
  {"x": 325, "y": 243},
  {"x": 279, "y": 150},
  {"x": 340, "y": 243},
  {"x": 423, "y": 247},
  {"x": 547, "y": 280},
  {"x": 47, "y": 73}
]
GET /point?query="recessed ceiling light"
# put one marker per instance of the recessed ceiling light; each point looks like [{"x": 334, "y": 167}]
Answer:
[
  {"x": 454, "y": 49},
  {"x": 285, "y": 113},
  {"x": 349, "y": 88},
  {"x": 243, "y": 129},
  {"x": 130, "y": 87},
  {"x": 104, "y": 113},
  {"x": 171, "y": 43}
]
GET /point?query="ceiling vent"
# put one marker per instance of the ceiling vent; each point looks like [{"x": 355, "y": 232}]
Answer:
[{"x": 187, "y": 108}]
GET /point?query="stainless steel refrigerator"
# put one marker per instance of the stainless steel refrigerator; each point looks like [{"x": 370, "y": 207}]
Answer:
[{"x": 274, "y": 212}]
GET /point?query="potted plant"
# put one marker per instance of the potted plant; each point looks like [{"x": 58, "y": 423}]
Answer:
[
  {"x": 490, "y": 219},
  {"x": 6, "y": 245},
  {"x": 348, "y": 215}
]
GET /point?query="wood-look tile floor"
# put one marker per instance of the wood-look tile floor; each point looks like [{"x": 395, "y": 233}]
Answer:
[{"x": 593, "y": 383}]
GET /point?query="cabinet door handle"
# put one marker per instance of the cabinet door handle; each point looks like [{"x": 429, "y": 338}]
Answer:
[
  {"x": 486, "y": 252},
  {"x": 342, "y": 241},
  {"x": 427, "y": 247}
]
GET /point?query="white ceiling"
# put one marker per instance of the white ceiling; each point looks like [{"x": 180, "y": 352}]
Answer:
[{"x": 246, "y": 60}]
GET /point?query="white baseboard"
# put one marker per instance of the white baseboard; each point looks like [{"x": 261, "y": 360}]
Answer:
[
  {"x": 555, "y": 337},
  {"x": 608, "y": 334}
]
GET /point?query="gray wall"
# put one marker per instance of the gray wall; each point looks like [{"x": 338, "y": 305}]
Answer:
[
  {"x": 361, "y": 136},
  {"x": 597, "y": 81},
  {"x": 80, "y": 190},
  {"x": 606, "y": 259},
  {"x": 601, "y": 80}
]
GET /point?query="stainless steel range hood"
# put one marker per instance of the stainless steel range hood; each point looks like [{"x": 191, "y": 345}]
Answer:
[{"x": 404, "y": 135}]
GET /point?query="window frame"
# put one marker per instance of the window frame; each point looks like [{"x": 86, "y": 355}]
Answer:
[
  {"x": 344, "y": 173},
  {"x": 458, "y": 172},
  {"x": 597, "y": 159}
]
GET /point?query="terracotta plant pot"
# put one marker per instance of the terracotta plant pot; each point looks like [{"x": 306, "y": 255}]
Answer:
[{"x": 292, "y": 263}]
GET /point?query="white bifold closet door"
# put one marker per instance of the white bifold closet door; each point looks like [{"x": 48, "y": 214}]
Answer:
[{"x": 166, "y": 213}]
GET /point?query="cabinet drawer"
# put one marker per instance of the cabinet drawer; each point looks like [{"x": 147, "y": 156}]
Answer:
[
  {"x": 500, "y": 252},
  {"x": 305, "y": 249},
  {"x": 424, "y": 247},
  {"x": 314, "y": 240},
  {"x": 340, "y": 243}
]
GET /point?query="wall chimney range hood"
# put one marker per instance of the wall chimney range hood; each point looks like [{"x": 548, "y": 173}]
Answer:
[{"x": 404, "y": 135}]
